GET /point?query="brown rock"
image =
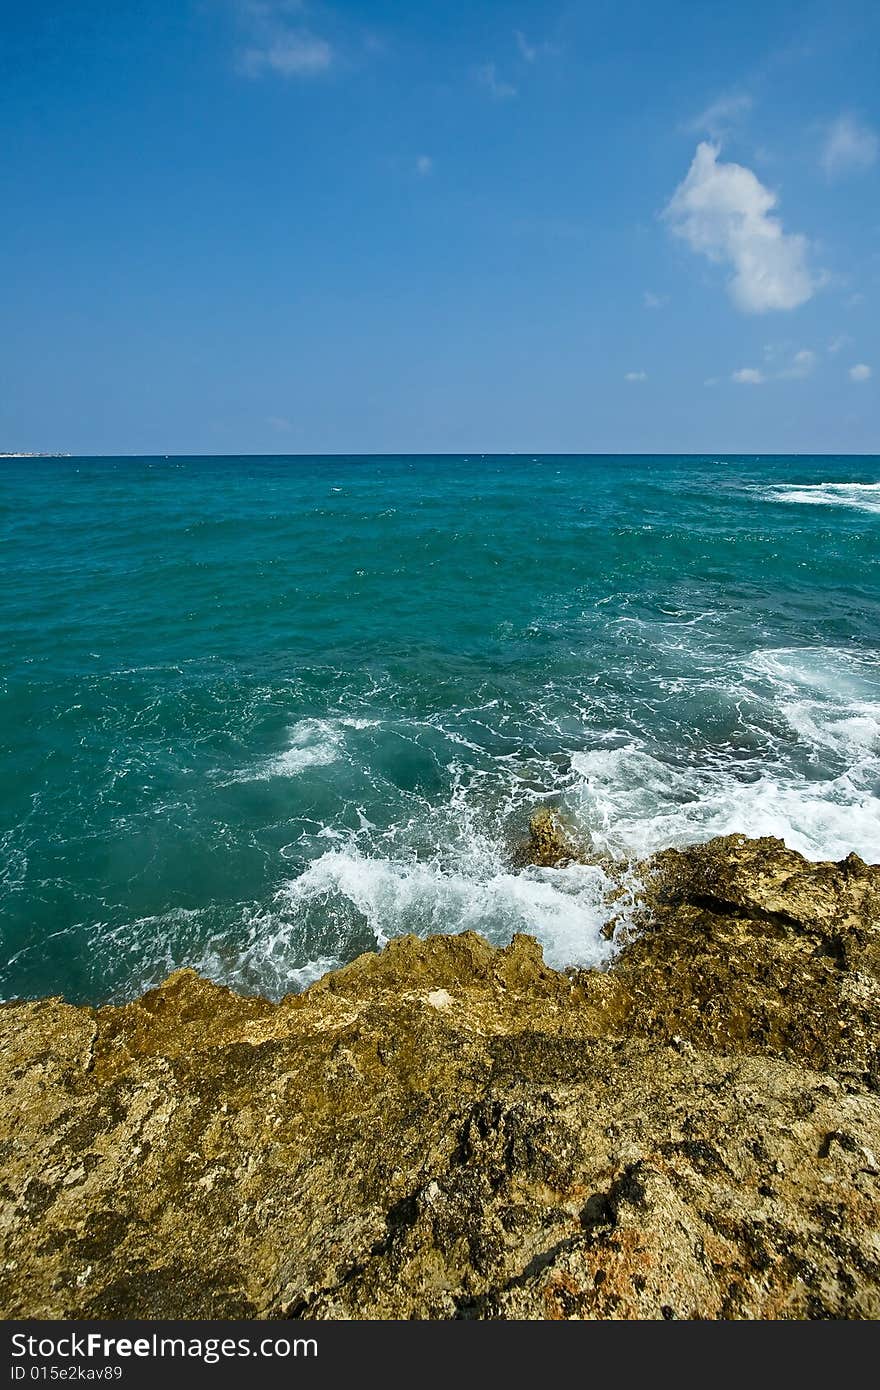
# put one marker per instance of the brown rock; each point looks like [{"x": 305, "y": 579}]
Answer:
[
  {"x": 550, "y": 842},
  {"x": 449, "y": 1130}
]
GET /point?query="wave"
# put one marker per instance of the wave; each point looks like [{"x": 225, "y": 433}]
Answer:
[
  {"x": 805, "y": 768},
  {"x": 799, "y": 759},
  {"x": 408, "y": 823},
  {"x": 864, "y": 497},
  {"x": 312, "y": 743},
  {"x": 568, "y": 909},
  {"x": 635, "y": 804}
]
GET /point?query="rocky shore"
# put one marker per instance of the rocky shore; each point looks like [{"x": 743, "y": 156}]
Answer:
[{"x": 449, "y": 1130}]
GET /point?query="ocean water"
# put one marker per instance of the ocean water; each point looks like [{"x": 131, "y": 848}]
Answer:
[{"x": 261, "y": 714}]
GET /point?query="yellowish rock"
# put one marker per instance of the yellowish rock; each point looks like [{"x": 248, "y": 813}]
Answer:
[{"x": 449, "y": 1130}]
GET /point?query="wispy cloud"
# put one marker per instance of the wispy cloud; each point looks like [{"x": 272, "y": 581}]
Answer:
[
  {"x": 860, "y": 372},
  {"x": 635, "y": 376},
  {"x": 841, "y": 341},
  {"x": 654, "y": 301},
  {"x": 424, "y": 165},
  {"x": 528, "y": 50},
  {"x": 849, "y": 147},
  {"x": 294, "y": 55},
  {"x": 782, "y": 362},
  {"x": 748, "y": 376},
  {"x": 497, "y": 88},
  {"x": 801, "y": 365},
  {"x": 725, "y": 213},
  {"x": 719, "y": 116},
  {"x": 531, "y": 52},
  {"x": 279, "y": 41}
]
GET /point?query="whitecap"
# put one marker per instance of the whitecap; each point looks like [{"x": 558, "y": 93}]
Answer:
[
  {"x": 864, "y": 497},
  {"x": 311, "y": 743}
]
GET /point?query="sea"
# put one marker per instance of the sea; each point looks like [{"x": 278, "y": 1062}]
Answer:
[{"x": 261, "y": 714}]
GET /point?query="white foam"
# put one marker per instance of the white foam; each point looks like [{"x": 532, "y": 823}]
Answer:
[
  {"x": 564, "y": 908},
  {"x": 864, "y": 497},
  {"x": 825, "y": 671},
  {"x": 300, "y": 979},
  {"x": 636, "y": 805},
  {"x": 853, "y": 733},
  {"x": 312, "y": 743},
  {"x": 295, "y": 760},
  {"x": 816, "y": 786},
  {"x": 782, "y": 741}
]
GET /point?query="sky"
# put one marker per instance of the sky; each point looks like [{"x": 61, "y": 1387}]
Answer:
[{"x": 279, "y": 226}]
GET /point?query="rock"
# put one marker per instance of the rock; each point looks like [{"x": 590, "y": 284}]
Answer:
[
  {"x": 550, "y": 843},
  {"x": 450, "y": 1130}
]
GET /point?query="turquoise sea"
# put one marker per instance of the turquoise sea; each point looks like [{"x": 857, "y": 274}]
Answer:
[{"x": 260, "y": 714}]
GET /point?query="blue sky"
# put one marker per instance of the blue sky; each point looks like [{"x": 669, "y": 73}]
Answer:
[{"x": 276, "y": 227}]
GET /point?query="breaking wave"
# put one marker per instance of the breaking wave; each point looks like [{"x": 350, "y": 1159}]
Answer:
[
  {"x": 801, "y": 761},
  {"x": 864, "y": 497}
]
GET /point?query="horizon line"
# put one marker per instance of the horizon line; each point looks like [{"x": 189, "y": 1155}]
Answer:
[{"x": 45, "y": 455}]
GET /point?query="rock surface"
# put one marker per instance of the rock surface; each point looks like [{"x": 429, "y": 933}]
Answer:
[{"x": 448, "y": 1130}]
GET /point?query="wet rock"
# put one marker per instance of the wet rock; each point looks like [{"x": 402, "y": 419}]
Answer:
[
  {"x": 550, "y": 842},
  {"x": 450, "y": 1130}
]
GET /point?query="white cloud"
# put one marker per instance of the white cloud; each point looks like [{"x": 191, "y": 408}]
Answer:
[
  {"x": 717, "y": 118},
  {"x": 860, "y": 372},
  {"x": 801, "y": 365},
  {"x": 724, "y": 213},
  {"x": 781, "y": 363},
  {"x": 748, "y": 376},
  {"x": 848, "y": 148},
  {"x": 291, "y": 54},
  {"x": 278, "y": 422},
  {"x": 635, "y": 376},
  {"x": 655, "y": 301},
  {"x": 488, "y": 77},
  {"x": 424, "y": 165},
  {"x": 279, "y": 42}
]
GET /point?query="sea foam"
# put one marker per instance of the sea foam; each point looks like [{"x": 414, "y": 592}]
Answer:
[
  {"x": 812, "y": 779},
  {"x": 803, "y": 765},
  {"x": 863, "y": 497},
  {"x": 311, "y": 743}
]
